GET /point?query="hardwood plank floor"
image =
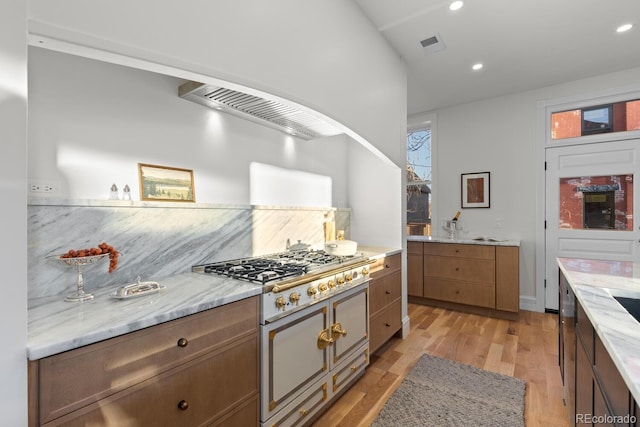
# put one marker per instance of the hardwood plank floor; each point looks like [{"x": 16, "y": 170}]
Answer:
[{"x": 527, "y": 349}]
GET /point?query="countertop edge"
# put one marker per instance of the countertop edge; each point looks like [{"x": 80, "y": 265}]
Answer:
[{"x": 485, "y": 241}]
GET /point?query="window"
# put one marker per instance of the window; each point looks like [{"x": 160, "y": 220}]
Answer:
[
  {"x": 419, "y": 182},
  {"x": 617, "y": 117}
]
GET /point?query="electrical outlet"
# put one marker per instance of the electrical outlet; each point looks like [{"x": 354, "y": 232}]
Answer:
[{"x": 43, "y": 186}]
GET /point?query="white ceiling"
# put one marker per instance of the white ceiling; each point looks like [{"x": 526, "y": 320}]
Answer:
[{"x": 523, "y": 44}]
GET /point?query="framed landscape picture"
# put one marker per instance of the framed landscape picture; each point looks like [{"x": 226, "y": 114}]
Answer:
[
  {"x": 475, "y": 190},
  {"x": 166, "y": 184}
]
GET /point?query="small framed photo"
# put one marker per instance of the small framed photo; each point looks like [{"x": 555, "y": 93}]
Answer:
[
  {"x": 165, "y": 184},
  {"x": 475, "y": 190}
]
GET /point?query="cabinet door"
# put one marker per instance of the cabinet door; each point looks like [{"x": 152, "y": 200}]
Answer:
[
  {"x": 584, "y": 387},
  {"x": 350, "y": 323},
  {"x": 507, "y": 278},
  {"x": 415, "y": 269}
]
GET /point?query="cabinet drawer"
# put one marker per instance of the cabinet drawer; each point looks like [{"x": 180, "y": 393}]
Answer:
[
  {"x": 157, "y": 401},
  {"x": 472, "y": 270},
  {"x": 415, "y": 248},
  {"x": 384, "y": 324},
  {"x": 350, "y": 369},
  {"x": 613, "y": 386},
  {"x": 384, "y": 291},
  {"x": 118, "y": 363},
  {"x": 477, "y": 294},
  {"x": 585, "y": 332},
  {"x": 302, "y": 408},
  {"x": 385, "y": 265},
  {"x": 459, "y": 250}
]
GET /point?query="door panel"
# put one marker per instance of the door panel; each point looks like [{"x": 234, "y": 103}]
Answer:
[{"x": 596, "y": 167}]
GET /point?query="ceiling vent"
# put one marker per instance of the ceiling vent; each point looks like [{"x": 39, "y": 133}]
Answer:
[
  {"x": 277, "y": 115},
  {"x": 432, "y": 44}
]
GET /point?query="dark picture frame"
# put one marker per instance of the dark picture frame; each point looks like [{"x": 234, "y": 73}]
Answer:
[
  {"x": 165, "y": 183},
  {"x": 475, "y": 190}
]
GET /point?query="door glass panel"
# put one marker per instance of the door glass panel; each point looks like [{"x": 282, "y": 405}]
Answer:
[
  {"x": 596, "y": 202},
  {"x": 617, "y": 117}
]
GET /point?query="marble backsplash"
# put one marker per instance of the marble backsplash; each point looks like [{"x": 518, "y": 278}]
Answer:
[{"x": 158, "y": 239}]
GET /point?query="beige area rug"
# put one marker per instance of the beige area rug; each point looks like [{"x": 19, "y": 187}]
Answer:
[{"x": 440, "y": 392}]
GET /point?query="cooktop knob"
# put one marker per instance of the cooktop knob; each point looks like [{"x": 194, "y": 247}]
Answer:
[
  {"x": 280, "y": 303},
  {"x": 348, "y": 277},
  {"x": 365, "y": 271},
  {"x": 332, "y": 283},
  {"x": 312, "y": 291},
  {"x": 294, "y": 298},
  {"x": 322, "y": 287},
  {"x": 340, "y": 281}
]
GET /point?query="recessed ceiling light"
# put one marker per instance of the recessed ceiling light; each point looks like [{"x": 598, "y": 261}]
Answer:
[
  {"x": 456, "y": 5},
  {"x": 477, "y": 66},
  {"x": 623, "y": 28}
]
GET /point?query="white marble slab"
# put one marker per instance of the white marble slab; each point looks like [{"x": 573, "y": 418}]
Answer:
[
  {"x": 593, "y": 283},
  {"x": 55, "y": 326},
  {"x": 474, "y": 241}
]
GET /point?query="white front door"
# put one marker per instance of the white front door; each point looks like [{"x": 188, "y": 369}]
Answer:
[{"x": 586, "y": 186}]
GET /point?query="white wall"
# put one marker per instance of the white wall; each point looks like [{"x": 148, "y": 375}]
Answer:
[
  {"x": 499, "y": 135},
  {"x": 92, "y": 122},
  {"x": 13, "y": 251},
  {"x": 324, "y": 54}
]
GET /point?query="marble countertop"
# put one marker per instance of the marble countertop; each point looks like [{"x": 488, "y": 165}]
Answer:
[
  {"x": 55, "y": 326},
  {"x": 470, "y": 241},
  {"x": 594, "y": 284}
]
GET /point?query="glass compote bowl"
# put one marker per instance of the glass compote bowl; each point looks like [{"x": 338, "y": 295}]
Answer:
[{"x": 79, "y": 263}]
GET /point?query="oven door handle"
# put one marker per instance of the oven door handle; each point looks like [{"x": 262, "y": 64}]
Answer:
[
  {"x": 337, "y": 331},
  {"x": 324, "y": 339}
]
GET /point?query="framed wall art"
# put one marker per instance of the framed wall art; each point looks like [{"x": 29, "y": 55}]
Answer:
[
  {"x": 165, "y": 184},
  {"x": 475, "y": 190}
]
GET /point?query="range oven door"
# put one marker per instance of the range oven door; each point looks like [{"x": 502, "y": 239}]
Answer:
[
  {"x": 292, "y": 357},
  {"x": 349, "y": 323},
  {"x": 300, "y": 351}
]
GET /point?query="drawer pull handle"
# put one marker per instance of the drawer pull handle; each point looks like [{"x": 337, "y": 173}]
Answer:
[
  {"x": 388, "y": 325},
  {"x": 183, "y": 405},
  {"x": 387, "y": 292},
  {"x": 457, "y": 268},
  {"x": 182, "y": 342},
  {"x": 354, "y": 368},
  {"x": 303, "y": 412},
  {"x": 387, "y": 266}
]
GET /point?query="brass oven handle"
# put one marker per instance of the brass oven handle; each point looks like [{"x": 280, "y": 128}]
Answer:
[
  {"x": 324, "y": 340},
  {"x": 336, "y": 331}
]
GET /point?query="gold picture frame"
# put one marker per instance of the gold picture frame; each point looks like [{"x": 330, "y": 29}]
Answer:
[
  {"x": 475, "y": 189},
  {"x": 165, "y": 183}
]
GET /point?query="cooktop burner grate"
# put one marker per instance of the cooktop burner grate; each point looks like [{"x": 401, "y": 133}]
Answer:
[{"x": 268, "y": 268}]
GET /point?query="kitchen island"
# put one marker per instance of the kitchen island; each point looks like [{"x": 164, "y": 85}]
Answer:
[{"x": 605, "y": 334}]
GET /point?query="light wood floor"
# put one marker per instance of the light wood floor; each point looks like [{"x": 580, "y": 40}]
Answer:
[{"x": 527, "y": 349}]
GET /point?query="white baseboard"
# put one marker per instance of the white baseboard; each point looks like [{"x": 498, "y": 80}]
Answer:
[
  {"x": 406, "y": 327},
  {"x": 528, "y": 303}
]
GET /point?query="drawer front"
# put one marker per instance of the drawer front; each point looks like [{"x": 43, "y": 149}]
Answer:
[
  {"x": 458, "y": 250},
  {"x": 346, "y": 372},
  {"x": 384, "y": 291},
  {"x": 198, "y": 393},
  {"x": 613, "y": 386},
  {"x": 585, "y": 332},
  {"x": 302, "y": 408},
  {"x": 385, "y": 265},
  {"x": 121, "y": 362},
  {"x": 415, "y": 248},
  {"x": 469, "y": 293},
  {"x": 471, "y": 270},
  {"x": 384, "y": 325}
]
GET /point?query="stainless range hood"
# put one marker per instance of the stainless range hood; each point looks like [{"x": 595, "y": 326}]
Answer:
[{"x": 277, "y": 115}]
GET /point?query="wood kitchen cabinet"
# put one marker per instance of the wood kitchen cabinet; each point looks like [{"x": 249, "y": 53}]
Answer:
[
  {"x": 598, "y": 392},
  {"x": 415, "y": 270},
  {"x": 201, "y": 369},
  {"x": 385, "y": 289},
  {"x": 471, "y": 277}
]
